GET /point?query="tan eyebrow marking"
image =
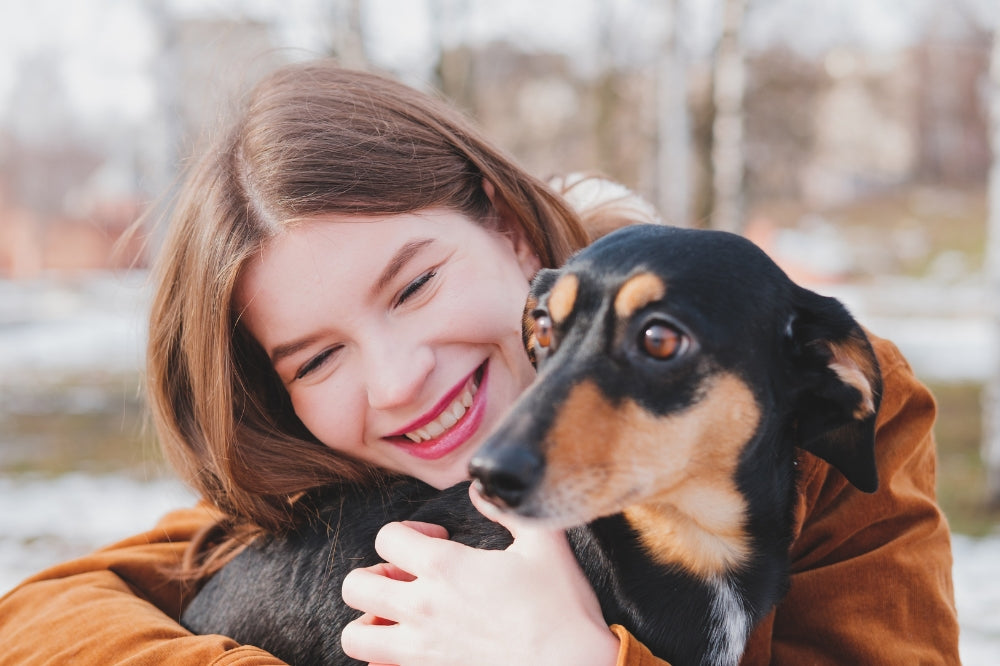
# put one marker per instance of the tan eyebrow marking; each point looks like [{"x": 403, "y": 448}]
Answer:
[
  {"x": 638, "y": 292},
  {"x": 398, "y": 261},
  {"x": 562, "y": 297}
]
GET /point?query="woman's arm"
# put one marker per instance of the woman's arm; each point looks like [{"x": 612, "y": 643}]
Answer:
[
  {"x": 871, "y": 574},
  {"x": 117, "y": 605}
]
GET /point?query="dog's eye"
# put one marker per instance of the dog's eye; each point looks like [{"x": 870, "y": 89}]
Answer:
[
  {"x": 662, "y": 341},
  {"x": 543, "y": 330}
]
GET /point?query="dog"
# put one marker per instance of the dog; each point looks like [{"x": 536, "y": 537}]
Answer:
[{"x": 678, "y": 372}]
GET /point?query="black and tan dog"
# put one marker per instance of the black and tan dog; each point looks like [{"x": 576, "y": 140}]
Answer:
[{"x": 678, "y": 371}]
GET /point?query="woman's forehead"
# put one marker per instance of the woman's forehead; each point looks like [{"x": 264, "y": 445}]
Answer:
[{"x": 325, "y": 255}]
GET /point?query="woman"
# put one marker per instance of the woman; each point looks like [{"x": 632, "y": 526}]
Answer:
[{"x": 339, "y": 298}]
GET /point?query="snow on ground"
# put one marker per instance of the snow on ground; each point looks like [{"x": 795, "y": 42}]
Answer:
[
  {"x": 977, "y": 594},
  {"x": 51, "y": 328},
  {"x": 48, "y": 520}
]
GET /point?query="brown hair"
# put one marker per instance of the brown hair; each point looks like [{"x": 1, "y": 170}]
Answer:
[{"x": 312, "y": 138}]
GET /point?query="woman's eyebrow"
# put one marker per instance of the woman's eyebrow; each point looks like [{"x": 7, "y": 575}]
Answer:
[
  {"x": 288, "y": 349},
  {"x": 405, "y": 253}
]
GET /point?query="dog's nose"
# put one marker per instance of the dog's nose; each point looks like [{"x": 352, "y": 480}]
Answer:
[{"x": 507, "y": 475}]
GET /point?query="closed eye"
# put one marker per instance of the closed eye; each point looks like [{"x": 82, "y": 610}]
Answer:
[
  {"x": 315, "y": 362},
  {"x": 412, "y": 288}
]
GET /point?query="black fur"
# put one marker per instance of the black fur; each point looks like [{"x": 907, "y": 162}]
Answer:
[{"x": 283, "y": 594}]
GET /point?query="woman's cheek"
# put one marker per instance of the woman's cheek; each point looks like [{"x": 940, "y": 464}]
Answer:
[{"x": 328, "y": 416}]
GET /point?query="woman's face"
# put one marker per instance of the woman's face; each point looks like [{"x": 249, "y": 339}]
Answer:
[{"x": 398, "y": 337}]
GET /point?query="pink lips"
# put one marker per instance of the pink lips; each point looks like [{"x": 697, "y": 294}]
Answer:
[{"x": 454, "y": 437}]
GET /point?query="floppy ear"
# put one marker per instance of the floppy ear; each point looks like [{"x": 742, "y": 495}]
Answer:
[{"x": 840, "y": 387}]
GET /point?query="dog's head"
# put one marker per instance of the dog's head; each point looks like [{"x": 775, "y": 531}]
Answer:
[{"x": 667, "y": 358}]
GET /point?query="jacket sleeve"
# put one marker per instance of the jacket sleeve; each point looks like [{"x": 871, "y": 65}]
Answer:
[
  {"x": 871, "y": 574},
  {"x": 632, "y": 652},
  {"x": 118, "y": 605}
]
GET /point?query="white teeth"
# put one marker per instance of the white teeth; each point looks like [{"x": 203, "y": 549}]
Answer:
[{"x": 448, "y": 418}]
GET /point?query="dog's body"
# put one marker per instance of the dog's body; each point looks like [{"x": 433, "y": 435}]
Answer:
[{"x": 678, "y": 370}]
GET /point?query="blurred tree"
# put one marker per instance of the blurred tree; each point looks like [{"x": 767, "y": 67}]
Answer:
[
  {"x": 781, "y": 135},
  {"x": 951, "y": 60},
  {"x": 454, "y": 68},
  {"x": 991, "y": 402},
  {"x": 348, "y": 38},
  {"x": 729, "y": 83},
  {"x": 672, "y": 127}
]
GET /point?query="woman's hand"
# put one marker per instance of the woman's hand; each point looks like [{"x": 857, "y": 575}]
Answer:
[{"x": 437, "y": 602}]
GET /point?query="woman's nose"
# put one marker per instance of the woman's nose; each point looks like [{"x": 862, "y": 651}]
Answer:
[{"x": 396, "y": 373}]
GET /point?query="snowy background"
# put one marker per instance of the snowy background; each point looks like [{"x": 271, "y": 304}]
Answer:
[{"x": 50, "y": 330}]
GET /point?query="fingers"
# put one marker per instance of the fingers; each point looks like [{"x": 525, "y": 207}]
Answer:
[
  {"x": 526, "y": 533},
  {"x": 412, "y": 550},
  {"x": 375, "y": 591},
  {"x": 427, "y": 529},
  {"x": 494, "y": 513},
  {"x": 484, "y": 506},
  {"x": 391, "y": 571},
  {"x": 368, "y": 642}
]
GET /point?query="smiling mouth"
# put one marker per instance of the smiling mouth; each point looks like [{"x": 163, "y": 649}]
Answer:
[{"x": 451, "y": 414}]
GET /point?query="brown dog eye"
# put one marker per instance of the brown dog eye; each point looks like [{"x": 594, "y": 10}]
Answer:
[
  {"x": 543, "y": 330},
  {"x": 661, "y": 341}
]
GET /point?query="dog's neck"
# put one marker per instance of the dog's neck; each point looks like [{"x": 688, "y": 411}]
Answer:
[{"x": 708, "y": 542}]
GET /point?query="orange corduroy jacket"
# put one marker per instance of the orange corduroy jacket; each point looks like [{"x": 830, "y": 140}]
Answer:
[{"x": 871, "y": 574}]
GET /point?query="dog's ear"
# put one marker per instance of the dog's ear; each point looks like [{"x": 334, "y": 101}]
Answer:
[
  {"x": 540, "y": 284},
  {"x": 840, "y": 387}
]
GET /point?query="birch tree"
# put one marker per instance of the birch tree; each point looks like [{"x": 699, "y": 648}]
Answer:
[
  {"x": 672, "y": 124},
  {"x": 991, "y": 400},
  {"x": 348, "y": 38},
  {"x": 727, "y": 129}
]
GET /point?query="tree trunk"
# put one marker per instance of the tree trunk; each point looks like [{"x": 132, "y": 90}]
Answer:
[
  {"x": 348, "y": 39},
  {"x": 991, "y": 399},
  {"x": 727, "y": 130},
  {"x": 672, "y": 125}
]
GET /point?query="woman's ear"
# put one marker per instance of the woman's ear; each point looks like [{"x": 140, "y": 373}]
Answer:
[{"x": 527, "y": 256}]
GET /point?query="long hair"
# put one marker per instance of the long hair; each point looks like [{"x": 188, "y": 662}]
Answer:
[{"x": 311, "y": 139}]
